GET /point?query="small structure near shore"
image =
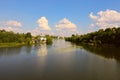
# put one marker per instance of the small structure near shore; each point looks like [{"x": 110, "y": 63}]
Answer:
[
  {"x": 39, "y": 40},
  {"x": 43, "y": 39}
]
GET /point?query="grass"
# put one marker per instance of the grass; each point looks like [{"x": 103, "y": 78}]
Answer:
[{"x": 2, "y": 45}]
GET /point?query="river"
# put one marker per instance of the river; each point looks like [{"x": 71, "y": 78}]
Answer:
[{"x": 60, "y": 61}]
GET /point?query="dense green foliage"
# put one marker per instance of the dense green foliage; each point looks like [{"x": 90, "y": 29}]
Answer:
[
  {"x": 49, "y": 39},
  {"x": 11, "y": 37},
  {"x": 109, "y": 36}
]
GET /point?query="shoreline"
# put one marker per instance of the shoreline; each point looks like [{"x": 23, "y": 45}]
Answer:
[{"x": 6, "y": 45}]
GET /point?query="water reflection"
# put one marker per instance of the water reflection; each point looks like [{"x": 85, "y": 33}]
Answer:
[
  {"x": 59, "y": 61},
  {"x": 28, "y": 49},
  {"x": 42, "y": 50},
  {"x": 60, "y": 46},
  {"x": 10, "y": 51},
  {"x": 106, "y": 52}
]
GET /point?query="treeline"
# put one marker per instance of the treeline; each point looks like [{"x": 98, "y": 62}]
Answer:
[
  {"x": 49, "y": 39},
  {"x": 37, "y": 40},
  {"x": 109, "y": 36},
  {"x": 11, "y": 37}
]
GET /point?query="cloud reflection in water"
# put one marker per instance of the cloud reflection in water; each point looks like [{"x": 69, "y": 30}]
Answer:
[{"x": 42, "y": 51}]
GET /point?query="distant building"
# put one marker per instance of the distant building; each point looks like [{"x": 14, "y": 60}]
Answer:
[
  {"x": 43, "y": 39},
  {"x": 39, "y": 39}
]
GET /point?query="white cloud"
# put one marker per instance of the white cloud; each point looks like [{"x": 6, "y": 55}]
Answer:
[
  {"x": 13, "y": 23},
  {"x": 63, "y": 28},
  {"x": 43, "y": 24},
  {"x": 35, "y": 31},
  {"x": 14, "y": 29},
  {"x": 66, "y": 24},
  {"x": 66, "y": 28},
  {"x": 38, "y": 31},
  {"x": 92, "y": 16},
  {"x": 106, "y": 19},
  {"x": 43, "y": 27},
  {"x": 91, "y": 26}
]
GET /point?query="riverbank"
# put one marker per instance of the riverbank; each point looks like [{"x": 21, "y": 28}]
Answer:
[
  {"x": 107, "y": 37},
  {"x": 3, "y": 45}
]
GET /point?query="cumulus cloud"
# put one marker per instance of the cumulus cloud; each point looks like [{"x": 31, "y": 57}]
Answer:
[
  {"x": 14, "y": 29},
  {"x": 91, "y": 26},
  {"x": 106, "y": 19},
  {"x": 92, "y": 16},
  {"x": 43, "y": 27},
  {"x": 43, "y": 23},
  {"x": 13, "y": 23},
  {"x": 62, "y": 28},
  {"x": 66, "y": 27},
  {"x": 38, "y": 31},
  {"x": 66, "y": 24}
]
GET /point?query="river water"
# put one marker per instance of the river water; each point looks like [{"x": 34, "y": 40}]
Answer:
[{"x": 59, "y": 61}]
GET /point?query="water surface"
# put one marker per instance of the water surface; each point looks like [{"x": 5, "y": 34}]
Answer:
[{"x": 59, "y": 61}]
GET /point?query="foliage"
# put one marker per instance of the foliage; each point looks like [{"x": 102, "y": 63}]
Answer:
[
  {"x": 49, "y": 39},
  {"x": 11, "y": 37},
  {"x": 109, "y": 36}
]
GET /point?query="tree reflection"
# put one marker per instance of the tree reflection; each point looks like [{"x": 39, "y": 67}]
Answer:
[
  {"x": 107, "y": 52},
  {"x": 10, "y": 51},
  {"x": 28, "y": 49}
]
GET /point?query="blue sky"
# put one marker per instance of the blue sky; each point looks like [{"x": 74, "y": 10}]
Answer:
[{"x": 28, "y": 12}]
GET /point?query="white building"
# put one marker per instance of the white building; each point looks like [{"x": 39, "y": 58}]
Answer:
[{"x": 43, "y": 39}]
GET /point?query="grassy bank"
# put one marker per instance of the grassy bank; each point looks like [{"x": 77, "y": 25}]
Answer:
[{"x": 2, "y": 45}]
